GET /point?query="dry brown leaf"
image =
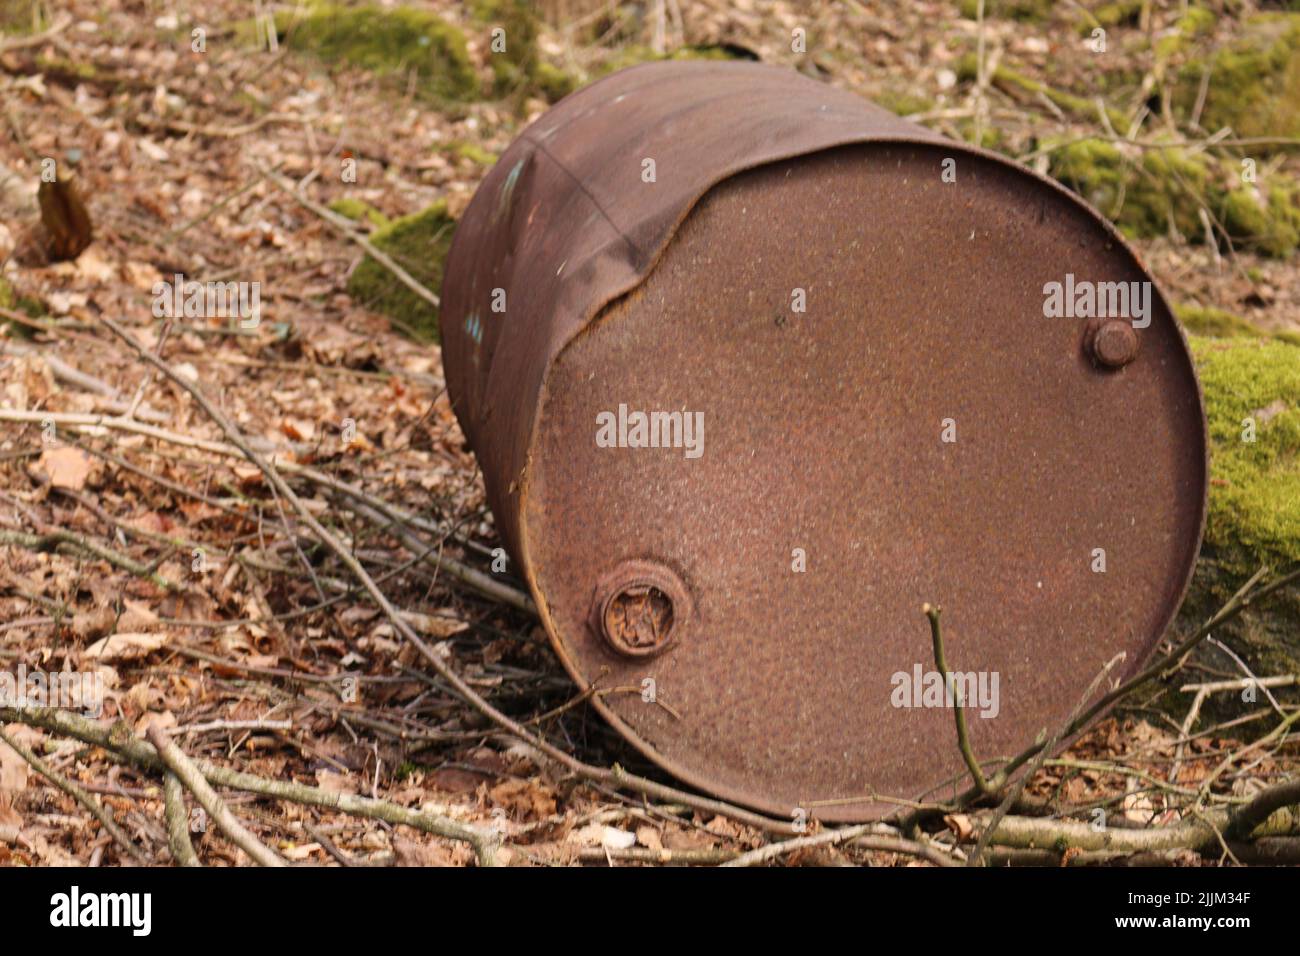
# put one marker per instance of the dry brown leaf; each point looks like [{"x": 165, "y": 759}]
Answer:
[
  {"x": 300, "y": 851},
  {"x": 960, "y": 824},
  {"x": 124, "y": 646},
  {"x": 299, "y": 429},
  {"x": 599, "y": 834},
  {"x": 93, "y": 624},
  {"x": 91, "y": 265},
  {"x": 166, "y": 720},
  {"x": 333, "y": 782},
  {"x": 66, "y": 467},
  {"x": 13, "y": 770},
  {"x": 410, "y": 853},
  {"x": 136, "y": 616},
  {"x": 649, "y": 837},
  {"x": 524, "y": 797}
]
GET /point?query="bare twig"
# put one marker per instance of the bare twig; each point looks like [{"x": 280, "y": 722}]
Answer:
[
  {"x": 36, "y": 39},
  {"x": 345, "y": 227},
  {"x": 60, "y": 540},
  {"x": 1246, "y": 596},
  {"x": 864, "y": 835},
  {"x": 190, "y": 775},
  {"x": 614, "y": 775},
  {"x": 963, "y": 734},
  {"x": 120, "y": 740},
  {"x": 81, "y": 796},
  {"x": 1014, "y": 792},
  {"x": 178, "y": 824}
]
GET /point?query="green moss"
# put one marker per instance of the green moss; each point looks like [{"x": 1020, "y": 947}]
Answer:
[
  {"x": 903, "y": 102},
  {"x": 357, "y": 209},
  {"x": 1255, "y": 493},
  {"x": 553, "y": 82},
  {"x": 419, "y": 244},
  {"x": 632, "y": 54},
  {"x": 1142, "y": 196},
  {"x": 1164, "y": 188},
  {"x": 11, "y": 299},
  {"x": 463, "y": 149},
  {"x": 1254, "y": 509},
  {"x": 1209, "y": 322},
  {"x": 1023, "y": 10},
  {"x": 1191, "y": 26},
  {"x": 21, "y": 16},
  {"x": 1165, "y": 191},
  {"x": 510, "y": 39},
  {"x": 990, "y": 137},
  {"x": 1254, "y": 83},
  {"x": 63, "y": 66},
  {"x": 1124, "y": 13},
  {"x": 1267, "y": 222},
  {"x": 510, "y": 30},
  {"x": 399, "y": 42},
  {"x": 1015, "y": 83}
]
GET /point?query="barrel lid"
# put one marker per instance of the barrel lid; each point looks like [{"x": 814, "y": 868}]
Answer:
[{"x": 861, "y": 407}]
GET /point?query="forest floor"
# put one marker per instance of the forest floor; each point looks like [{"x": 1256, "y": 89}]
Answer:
[{"x": 137, "y": 543}]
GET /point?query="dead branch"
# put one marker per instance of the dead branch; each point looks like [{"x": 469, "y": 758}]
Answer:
[
  {"x": 178, "y": 824},
  {"x": 71, "y": 375},
  {"x": 184, "y": 770},
  {"x": 1262, "y": 808},
  {"x": 81, "y": 796},
  {"x": 613, "y": 775},
  {"x": 60, "y": 540},
  {"x": 345, "y": 227},
  {"x": 866, "y": 835},
  {"x": 963, "y": 735},
  {"x": 119, "y": 740}
]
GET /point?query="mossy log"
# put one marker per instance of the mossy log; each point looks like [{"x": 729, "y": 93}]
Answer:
[
  {"x": 419, "y": 244},
  {"x": 402, "y": 42},
  {"x": 1160, "y": 190},
  {"x": 1252, "y": 396}
]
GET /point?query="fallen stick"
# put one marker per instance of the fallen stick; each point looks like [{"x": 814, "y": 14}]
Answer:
[
  {"x": 1030, "y": 833},
  {"x": 614, "y": 775},
  {"x": 178, "y": 823},
  {"x": 190, "y": 775},
  {"x": 81, "y": 796},
  {"x": 118, "y": 739},
  {"x": 345, "y": 227},
  {"x": 60, "y": 540},
  {"x": 471, "y": 577},
  {"x": 36, "y": 39},
  {"x": 71, "y": 375},
  {"x": 866, "y": 835}
]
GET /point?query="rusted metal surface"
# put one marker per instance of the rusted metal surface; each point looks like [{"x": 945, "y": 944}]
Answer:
[
  {"x": 1113, "y": 342},
  {"x": 763, "y": 586},
  {"x": 638, "y": 607}
]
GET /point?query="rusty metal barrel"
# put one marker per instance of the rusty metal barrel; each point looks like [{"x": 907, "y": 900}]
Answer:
[{"x": 753, "y": 369}]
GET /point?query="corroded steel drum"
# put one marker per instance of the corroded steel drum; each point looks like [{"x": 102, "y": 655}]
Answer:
[{"x": 753, "y": 369}]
